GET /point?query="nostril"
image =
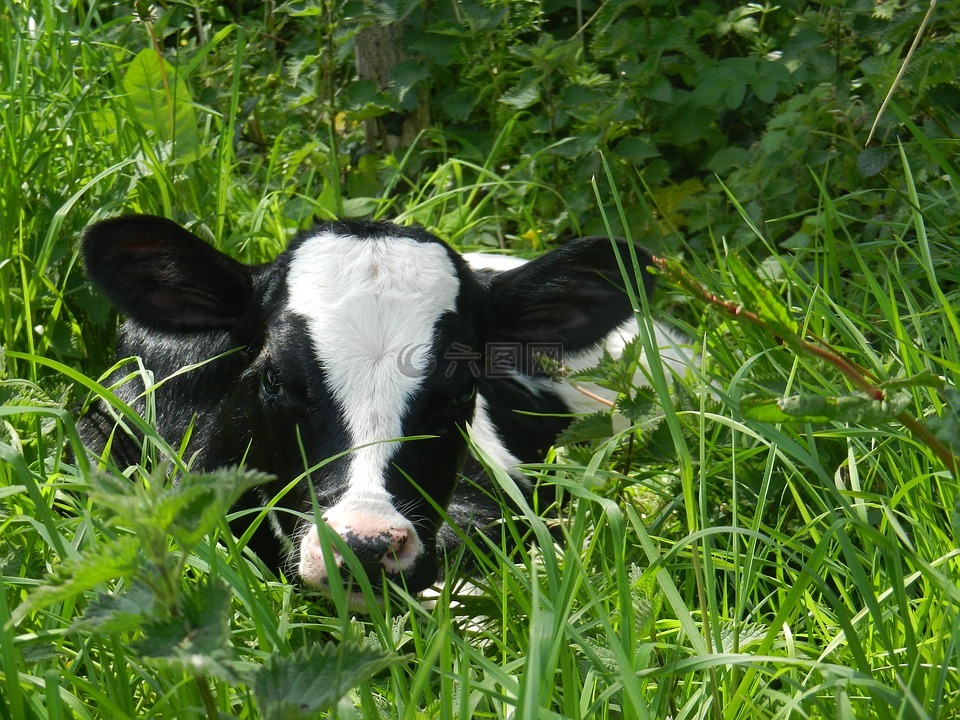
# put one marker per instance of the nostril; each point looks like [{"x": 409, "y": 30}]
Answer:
[
  {"x": 390, "y": 550},
  {"x": 405, "y": 550},
  {"x": 399, "y": 537},
  {"x": 370, "y": 551}
]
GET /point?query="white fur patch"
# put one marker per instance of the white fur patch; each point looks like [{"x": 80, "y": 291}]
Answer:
[
  {"x": 676, "y": 358},
  {"x": 489, "y": 261},
  {"x": 487, "y": 438},
  {"x": 371, "y": 307}
]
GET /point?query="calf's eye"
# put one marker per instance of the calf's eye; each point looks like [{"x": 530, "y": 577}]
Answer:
[
  {"x": 466, "y": 395},
  {"x": 271, "y": 384}
]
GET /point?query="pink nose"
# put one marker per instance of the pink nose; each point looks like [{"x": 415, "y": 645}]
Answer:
[
  {"x": 380, "y": 544},
  {"x": 376, "y": 548}
]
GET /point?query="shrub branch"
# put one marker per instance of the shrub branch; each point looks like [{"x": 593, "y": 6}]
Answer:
[{"x": 859, "y": 377}]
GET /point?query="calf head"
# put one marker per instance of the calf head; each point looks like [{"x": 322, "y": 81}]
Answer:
[{"x": 356, "y": 336}]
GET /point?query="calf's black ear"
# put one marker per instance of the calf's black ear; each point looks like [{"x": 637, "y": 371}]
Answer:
[
  {"x": 163, "y": 276},
  {"x": 573, "y": 296}
]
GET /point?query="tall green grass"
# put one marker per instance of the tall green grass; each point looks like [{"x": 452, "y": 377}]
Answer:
[{"x": 710, "y": 565}]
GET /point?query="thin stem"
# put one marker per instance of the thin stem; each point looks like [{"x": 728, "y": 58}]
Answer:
[
  {"x": 858, "y": 377},
  {"x": 209, "y": 702}
]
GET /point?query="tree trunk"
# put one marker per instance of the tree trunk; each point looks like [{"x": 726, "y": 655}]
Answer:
[{"x": 378, "y": 52}]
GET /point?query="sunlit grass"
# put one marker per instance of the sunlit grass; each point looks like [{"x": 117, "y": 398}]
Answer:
[{"x": 712, "y": 566}]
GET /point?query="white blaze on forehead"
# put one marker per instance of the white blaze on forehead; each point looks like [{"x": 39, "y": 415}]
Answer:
[{"x": 371, "y": 307}]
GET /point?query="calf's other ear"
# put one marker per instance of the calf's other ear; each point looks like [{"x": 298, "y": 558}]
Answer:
[
  {"x": 163, "y": 276},
  {"x": 574, "y": 295}
]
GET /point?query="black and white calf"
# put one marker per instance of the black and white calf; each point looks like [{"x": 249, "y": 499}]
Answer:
[{"x": 356, "y": 335}]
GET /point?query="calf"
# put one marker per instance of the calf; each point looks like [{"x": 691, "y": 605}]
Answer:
[{"x": 358, "y": 334}]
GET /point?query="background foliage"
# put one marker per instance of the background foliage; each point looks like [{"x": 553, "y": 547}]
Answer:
[{"x": 764, "y": 541}]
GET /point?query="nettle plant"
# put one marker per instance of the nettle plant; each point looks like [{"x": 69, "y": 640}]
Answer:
[
  {"x": 767, "y": 103},
  {"x": 149, "y": 603},
  {"x": 674, "y": 97}
]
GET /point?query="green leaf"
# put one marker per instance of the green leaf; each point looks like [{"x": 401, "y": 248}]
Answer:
[
  {"x": 116, "y": 613},
  {"x": 522, "y": 97},
  {"x": 116, "y": 493},
  {"x": 946, "y": 427},
  {"x": 768, "y": 76},
  {"x": 575, "y": 146},
  {"x": 443, "y": 49},
  {"x": 873, "y": 161},
  {"x": 106, "y": 561},
  {"x": 761, "y": 300},
  {"x": 727, "y": 80},
  {"x": 925, "y": 379},
  {"x": 202, "y": 500},
  {"x": 459, "y": 103},
  {"x": 765, "y": 88},
  {"x": 955, "y": 519},
  {"x": 588, "y": 429},
  {"x": 734, "y": 94},
  {"x": 314, "y": 678},
  {"x": 612, "y": 373},
  {"x": 404, "y": 80},
  {"x": 187, "y": 511},
  {"x": 728, "y": 158},
  {"x": 658, "y": 89},
  {"x": 197, "y": 640},
  {"x": 363, "y": 100},
  {"x": 709, "y": 89},
  {"x": 639, "y": 407},
  {"x": 360, "y": 206},
  {"x": 636, "y": 149},
  {"x": 160, "y": 101},
  {"x": 857, "y": 409}
]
